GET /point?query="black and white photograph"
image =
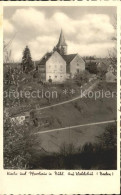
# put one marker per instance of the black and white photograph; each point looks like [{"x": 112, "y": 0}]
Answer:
[{"x": 60, "y": 88}]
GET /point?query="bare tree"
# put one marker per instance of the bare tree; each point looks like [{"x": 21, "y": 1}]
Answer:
[
  {"x": 7, "y": 52},
  {"x": 112, "y": 54}
]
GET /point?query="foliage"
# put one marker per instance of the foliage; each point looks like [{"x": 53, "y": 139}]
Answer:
[
  {"x": 18, "y": 152},
  {"x": 16, "y": 146},
  {"x": 97, "y": 156},
  {"x": 108, "y": 140},
  {"x": 27, "y": 62},
  {"x": 91, "y": 67},
  {"x": 113, "y": 57},
  {"x": 82, "y": 77},
  {"x": 113, "y": 52},
  {"x": 89, "y": 57},
  {"x": 67, "y": 149},
  {"x": 102, "y": 69},
  {"x": 12, "y": 76}
]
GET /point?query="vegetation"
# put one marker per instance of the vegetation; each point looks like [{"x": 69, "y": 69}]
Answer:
[
  {"x": 24, "y": 151},
  {"x": 91, "y": 66},
  {"x": 27, "y": 63},
  {"x": 108, "y": 140},
  {"x": 16, "y": 146},
  {"x": 89, "y": 57},
  {"x": 95, "y": 156},
  {"x": 101, "y": 70},
  {"x": 82, "y": 77},
  {"x": 17, "y": 81},
  {"x": 12, "y": 76}
]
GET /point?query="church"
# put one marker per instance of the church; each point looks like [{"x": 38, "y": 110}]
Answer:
[{"x": 57, "y": 65}]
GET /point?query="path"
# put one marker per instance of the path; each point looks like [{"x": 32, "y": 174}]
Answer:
[
  {"x": 68, "y": 101},
  {"x": 74, "y": 127}
]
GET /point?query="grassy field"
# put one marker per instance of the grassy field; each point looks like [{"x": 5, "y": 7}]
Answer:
[
  {"x": 22, "y": 104},
  {"x": 82, "y": 111}
]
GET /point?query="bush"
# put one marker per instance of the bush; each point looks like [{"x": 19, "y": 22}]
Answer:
[
  {"x": 108, "y": 140},
  {"x": 16, "y": 146},
  {"x": 82, "y": 77},
  {"x": 92, "y": 67}
]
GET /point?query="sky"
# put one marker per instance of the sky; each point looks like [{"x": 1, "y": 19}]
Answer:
[{"x": 88, "y": 30}]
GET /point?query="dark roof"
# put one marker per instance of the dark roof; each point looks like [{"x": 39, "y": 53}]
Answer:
[
  {"x": 37, "y": 62},
  {"x": 12, "y": 65},
  {"x": 45, "y": 58},
  {"x": 69, "y": 58}
]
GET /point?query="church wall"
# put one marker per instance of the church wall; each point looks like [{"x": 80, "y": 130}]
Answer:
[
  {"x": 77, "y": 65},
  {"x": 56, "y": 68},
  {"x": 42, "y": 72}
]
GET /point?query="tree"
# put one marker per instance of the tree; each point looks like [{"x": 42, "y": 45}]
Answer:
[
  {"x": 113, "y": 52},
  {"x": 92, "y": 67},
  {"x": 108, "y": 140},
  {"x": 113, "y": 56},
  {"x": 7, "y": 52},
  {"x": 102, "y": 69},
  {"x": 82, "y": 77},
  {"x": 17, "y": 145},
  {"x": 27, "y": 63}
]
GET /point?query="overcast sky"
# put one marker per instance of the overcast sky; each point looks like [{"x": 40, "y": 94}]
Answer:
[{"x": 87, "y": 30}]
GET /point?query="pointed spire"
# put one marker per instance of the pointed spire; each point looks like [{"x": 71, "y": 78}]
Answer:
[{"x": 61, "y": 41}]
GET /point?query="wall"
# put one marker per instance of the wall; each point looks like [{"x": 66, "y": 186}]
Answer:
[
  {"x": 42, "y": 72},
  {"x": 77, "y": 63}
]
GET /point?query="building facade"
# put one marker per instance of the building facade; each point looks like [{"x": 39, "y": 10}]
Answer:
[{"x": 56, "y": 68}]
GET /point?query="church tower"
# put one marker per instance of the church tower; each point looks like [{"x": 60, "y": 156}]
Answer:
[{"x": 61, "y": 45}]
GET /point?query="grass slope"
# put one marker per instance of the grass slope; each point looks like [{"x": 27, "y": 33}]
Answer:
[{"x": 82, "y": 111}]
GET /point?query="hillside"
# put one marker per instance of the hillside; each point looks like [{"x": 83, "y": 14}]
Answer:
[{"x": 82, "y": 111}]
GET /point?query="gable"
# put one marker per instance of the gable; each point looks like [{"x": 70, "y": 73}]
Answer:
[
  {"x": 78, "y": 58},
  {"x": 56, "y": 58},
  {"x": 48, "y": 55},
  {"x": 72, "y": 60}
]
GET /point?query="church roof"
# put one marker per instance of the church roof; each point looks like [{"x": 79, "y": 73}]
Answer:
[
  {"x": 61, "y": 41},
  {"x": 45, "y": 58},
  {"x": 69, "y": 58}
]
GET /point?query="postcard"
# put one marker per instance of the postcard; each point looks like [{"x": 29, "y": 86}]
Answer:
[{"x": 60, "y": 97}]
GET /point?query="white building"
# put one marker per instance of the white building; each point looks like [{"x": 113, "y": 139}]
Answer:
[{"x": 58, "y": 65}]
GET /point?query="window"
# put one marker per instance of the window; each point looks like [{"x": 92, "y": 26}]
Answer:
[
  {"x": 61, "y": 68},
  {"x": 77, "y": 70},
  {"x": 77, "y": 64}
]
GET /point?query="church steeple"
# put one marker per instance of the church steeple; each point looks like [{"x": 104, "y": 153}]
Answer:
[{"x": 61, "y": 45}]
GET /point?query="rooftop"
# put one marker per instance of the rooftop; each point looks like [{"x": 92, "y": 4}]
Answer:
[{"x": 69, "y": 58}]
